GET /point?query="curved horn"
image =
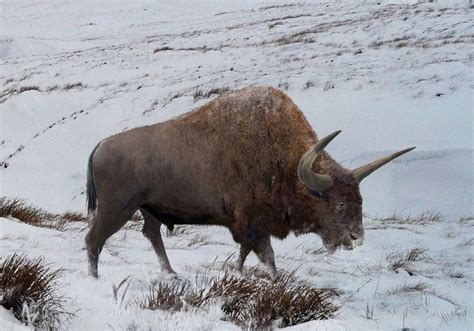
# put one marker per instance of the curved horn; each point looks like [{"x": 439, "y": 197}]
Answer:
[
  {"x": 362, "y": 172},
  {"x": 312, "y": 180}
]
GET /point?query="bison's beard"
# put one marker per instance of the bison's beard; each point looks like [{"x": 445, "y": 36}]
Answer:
[{"x": 346, "y": 243}]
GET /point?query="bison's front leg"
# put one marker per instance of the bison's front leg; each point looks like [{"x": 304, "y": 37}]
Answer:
[
  {"x": 265, "y": 253},
  {"x": 252, "y": 238},
  {"x": 244, "y": 252}
]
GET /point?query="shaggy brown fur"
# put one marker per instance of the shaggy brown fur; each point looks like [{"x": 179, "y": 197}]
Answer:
[{"x": 231, "y": 162}]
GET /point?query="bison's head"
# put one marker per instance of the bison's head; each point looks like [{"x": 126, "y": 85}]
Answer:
[{"x": 337, "y": 202}]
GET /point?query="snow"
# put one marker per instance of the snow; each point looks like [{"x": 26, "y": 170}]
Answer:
[{"x": 390, "y": 74}]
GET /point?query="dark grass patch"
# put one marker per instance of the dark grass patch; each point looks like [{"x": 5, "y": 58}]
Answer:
[
  {"x": 162, "y": 49},
  {"x": 405, "y": 261},
  {"x": 284, "y": 85},
  {"x": 204, "y": 94},
  {"x": 424, "y": 218},
  {"x": 293, "y": 39},
  {"x": 14, "y": 90},
  {"x": 136, "y": 222},
  {"x": 250, "y": 302},
  {"x": 469, "y": 220},
  {"x": 27, "y": 88},
  {"x": 308, "y": 84},
  {"x": 70, "y": 216},
  {"x": 29, "y": 289},
  {"x": 25, "y": 213},
  {"x": 66, "y": 87},
  {"x": 409, "y": 288}
]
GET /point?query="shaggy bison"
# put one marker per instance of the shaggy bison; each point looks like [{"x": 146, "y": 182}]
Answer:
[{"x": 248, "y": 160}]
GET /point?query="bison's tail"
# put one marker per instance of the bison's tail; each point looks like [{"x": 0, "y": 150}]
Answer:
[{"x": 90, "y": 188}]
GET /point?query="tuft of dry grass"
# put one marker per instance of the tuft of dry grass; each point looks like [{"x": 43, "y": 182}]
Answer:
[
  {"x": 71, "y": 216},
  {"x": 250, "y": 302},
  {"x": 24, "y": 213},
  {"x": 328, "y": 86},
  {"x": 293, "y": 39},
  {"x": 180, "y": 230},
  {"x": 18, "y": 209},
  {"x": 457, "y": 275},
  {"x": 424, "y": 218},
  {"x": 469, "y": 220},
  {"x": 204, "y": 94},
  {"x": 163, "y": 296},
  {"x": 136, "y": 223},
  {"x": 162, "y": 49},
  {"x": 467, "y": 243},
  {"x": 409, "y": 288},
  {"x": 198, "y": 240},
  {"x": 29, "y": 289},
  {"x": 405, "y": 261},
  {"x": 309, "y": 83},
  {"x": 284, "y": 85}
]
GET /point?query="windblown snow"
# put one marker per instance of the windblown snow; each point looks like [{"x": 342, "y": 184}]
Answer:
[{"x": 390, "y": 74}]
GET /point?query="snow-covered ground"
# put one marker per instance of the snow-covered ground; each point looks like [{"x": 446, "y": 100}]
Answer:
[{"x": 390, "y": 74}]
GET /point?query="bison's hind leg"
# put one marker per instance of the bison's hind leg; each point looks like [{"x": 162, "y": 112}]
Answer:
[
  {"x": 106, "y": 222},
  {"x": 151, "y": 230}
]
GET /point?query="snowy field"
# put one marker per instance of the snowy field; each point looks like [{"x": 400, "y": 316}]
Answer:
[{"x": 390, "y": 74}]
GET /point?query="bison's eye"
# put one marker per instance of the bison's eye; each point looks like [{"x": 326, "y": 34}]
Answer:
[{"x": 340, "y": 207}]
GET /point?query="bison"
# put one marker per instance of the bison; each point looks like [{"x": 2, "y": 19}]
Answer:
[{"x": 247, "y": 160}]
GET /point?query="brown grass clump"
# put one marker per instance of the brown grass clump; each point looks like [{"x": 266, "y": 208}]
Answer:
[
  {"x": 253, "y": 303},
  {"x": 24, "y": 213},
  {"x": 136, "y": 222},
  {"x": 204, "y": 94},
  {"x": 467, "y": 220},
  {"x": 71, "y": 216},
  {"x": 405, "y": 261},
  {"x": 29, "y": 289},
  {"x": 425, "y": 218},
  {"x": 165, "y": 296},
  {"x": 409, "y": 288},
  {"x": 18, "y": 209}
]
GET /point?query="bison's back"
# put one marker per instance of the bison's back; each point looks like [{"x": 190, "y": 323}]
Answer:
[
  {"x": 234, "y": 149},
  {"x": 243, "y": 141}
]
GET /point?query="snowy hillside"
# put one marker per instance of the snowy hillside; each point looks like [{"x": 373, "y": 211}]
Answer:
[{"x": 390, "y": 74}]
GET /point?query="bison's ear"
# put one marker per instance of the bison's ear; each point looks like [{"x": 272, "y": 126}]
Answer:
[
  {"x": 362, "y": 172},
  {"x": 313, "y": 181}
]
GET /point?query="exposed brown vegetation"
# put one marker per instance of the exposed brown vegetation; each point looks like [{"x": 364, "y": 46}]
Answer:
[
  {"x": 423, "y": 218},
  {"x": 407, "y": 288},
  {"x": 287, "y": 40},
  {"x": 6, "y": 93},
  {"x": 18, "y": 209},
  {"x": 251, "y": 302},
  {"x": 405, "y": 261},
  {"x": 204, "y": 94},
  {"x": 14, "y": 90},
  {"x": 162, "y": 49},
  {"x": 309, "y": 83},
  {"x": 136, "y": 222},
  {"x": 26, "y": 214},
  {"x": 284, "y": 85},
  {"x": 29, "y": 289},
  {"x": 467, "y": 220}
]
